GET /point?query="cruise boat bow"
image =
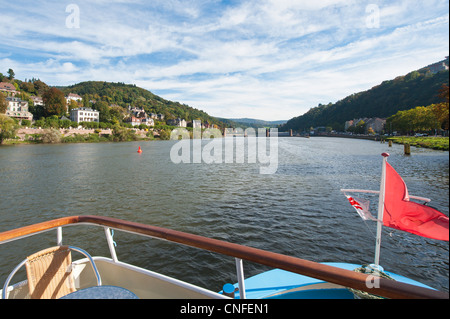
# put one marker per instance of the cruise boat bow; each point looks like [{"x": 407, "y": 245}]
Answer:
[{"x": 291, "y": 277}]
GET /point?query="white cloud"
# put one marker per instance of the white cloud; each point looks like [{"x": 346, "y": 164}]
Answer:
[{"x": 272, "y": 59}]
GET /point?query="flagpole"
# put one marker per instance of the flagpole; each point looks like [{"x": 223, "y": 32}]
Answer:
[{"x": 380, "y": 209}]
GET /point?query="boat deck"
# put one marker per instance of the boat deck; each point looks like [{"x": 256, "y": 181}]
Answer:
[
  {"x": 291, "y": 277},
  {"x": 281, "y": 284}
]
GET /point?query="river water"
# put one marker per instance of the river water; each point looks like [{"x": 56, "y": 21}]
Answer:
[{"x": 299, "y": 210}]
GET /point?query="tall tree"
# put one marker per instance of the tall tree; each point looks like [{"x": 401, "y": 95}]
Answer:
[
  {"x": 54, "y": 102},
  {"x": 11, "y": 74},
  {"x": 103, "y": 108}
]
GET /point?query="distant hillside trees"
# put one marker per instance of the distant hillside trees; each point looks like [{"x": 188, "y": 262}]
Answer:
[
  {"x": 111, "y": 99},
  {"x": 419, "y": 119},
  {"x": 122, "y": 95},
  {"x": 404, "y": 92},
  {"x": 422, "y": 119},
  {"x": 32, "y": 86}
]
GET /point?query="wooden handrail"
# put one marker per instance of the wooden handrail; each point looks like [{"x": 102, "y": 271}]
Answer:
[{"x": 347, "y": 278}]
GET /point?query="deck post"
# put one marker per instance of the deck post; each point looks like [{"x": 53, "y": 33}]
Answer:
[
  {"x": 240, "y": 275},
  {"x": 59, "y": 236},
  {"x": 110, "y": 241}
]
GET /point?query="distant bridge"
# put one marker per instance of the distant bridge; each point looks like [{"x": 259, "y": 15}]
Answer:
[{"x": 244, "y": 134}]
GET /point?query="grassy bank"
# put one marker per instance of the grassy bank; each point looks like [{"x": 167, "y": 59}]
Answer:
[
  {"x": 436, "y": 143},
  {"x": 77, "y": 138},
  {"x": 54, "y": 136}
]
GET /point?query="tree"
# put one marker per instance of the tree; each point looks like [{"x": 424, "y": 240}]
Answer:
[
  {"x": 28, "y": 87},
  {"x": 26, "y": 123},
  {"x": 40, "y": 87},
  {"x": 86, "y": 101},
  {"x": 419, "y": 119},
  {"x": 54, "y": 102},
  {"x": 3, "y": 103},
  {"x": 121, "y": 134},
  {"x": 117, "y": 114},
  {"x": 72, "y": 105},
  {"x": 103, "y": 108},
  {"x": 11, "y": 74},
  {"x": 51, "y": 136},
  {"x": 52, "y": 121},
  {"x": 360, "y": 127},
  {"x": 441, "y": 110},
  {"x": 7, "y": 127}
]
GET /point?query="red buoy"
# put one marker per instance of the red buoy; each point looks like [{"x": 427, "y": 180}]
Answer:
[{"x": 139, "y": 150}]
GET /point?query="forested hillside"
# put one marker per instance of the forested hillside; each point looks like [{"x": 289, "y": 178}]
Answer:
[
  {"x": 418, "y": 88},
  {"x": 126, "y": 94}
]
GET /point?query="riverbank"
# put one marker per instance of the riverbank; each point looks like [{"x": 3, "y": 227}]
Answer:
[
  {"x": 36, "y": 136},
  {"x": 39, "y": 135},
  {"x": 432, "y": 142}
]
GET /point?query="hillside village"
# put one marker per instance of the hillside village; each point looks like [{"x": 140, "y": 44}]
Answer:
[
  {"x": 136, "y": 116},
  {"x": 35, "y": 107}
]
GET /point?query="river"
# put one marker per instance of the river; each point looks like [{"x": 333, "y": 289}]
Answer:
[{"x": 299, "y": 210}]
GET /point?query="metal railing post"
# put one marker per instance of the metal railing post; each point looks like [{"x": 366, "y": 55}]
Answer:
[
  {"x": 240, "y": 275},
  {"x": 59, "y": 236},
  {"x": 110, "y": 241}
]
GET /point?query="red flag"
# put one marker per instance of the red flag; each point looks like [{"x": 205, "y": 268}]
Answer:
[{"x": 400, "y": 213}]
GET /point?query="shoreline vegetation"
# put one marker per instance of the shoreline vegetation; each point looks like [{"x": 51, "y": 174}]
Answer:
[
  {"x": 123, "y": 134},
  {"x": 83, "y": 135},
  {"x": 432, "y": 142}
]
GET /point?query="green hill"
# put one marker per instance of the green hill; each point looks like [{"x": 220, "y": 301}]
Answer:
[
  {"x": 127, "y": 94},
  {"x": 248, "y": 122},
  {"x": 418, "y": 88}
]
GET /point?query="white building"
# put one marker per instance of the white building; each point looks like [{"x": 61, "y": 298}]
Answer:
[
  {"x": 37, "y": 101},
  {"x": 136, "y": 121},
  {"x": 177, "y": 122},
  {"x": 18, "y": 109},
  {"x": 197, "y": 124},
  {"x": 73, "y": 97},
  {"x": 159, "y": 117},
  {"x": 84, "y": 114}
]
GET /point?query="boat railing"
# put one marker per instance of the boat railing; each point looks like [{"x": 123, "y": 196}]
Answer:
[{"x": 385, "y": 288}]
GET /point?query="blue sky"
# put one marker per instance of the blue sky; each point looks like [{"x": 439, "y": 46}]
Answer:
[{"x": 267, "y": 59}]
